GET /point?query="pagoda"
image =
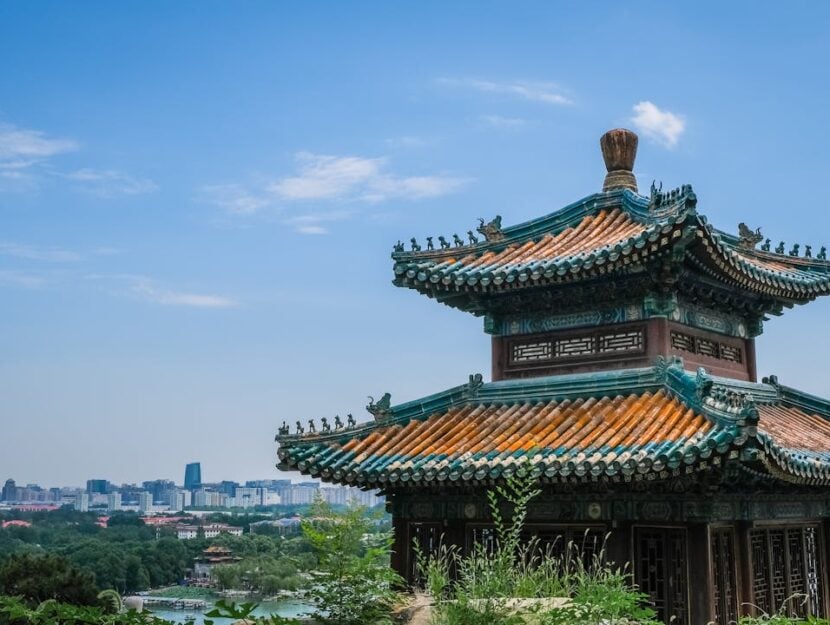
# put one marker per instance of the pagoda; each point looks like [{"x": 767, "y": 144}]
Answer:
[{"x": 624, "y": 379}]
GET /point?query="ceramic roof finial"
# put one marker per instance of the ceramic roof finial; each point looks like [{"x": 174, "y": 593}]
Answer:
[{"x": 619, "y": 149}]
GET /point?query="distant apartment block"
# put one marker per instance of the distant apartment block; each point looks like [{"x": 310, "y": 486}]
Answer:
[
  {"x": 82, "y": 502},
  {"x": 113, "y": 502},
  {"x": 212, "y": 530}
]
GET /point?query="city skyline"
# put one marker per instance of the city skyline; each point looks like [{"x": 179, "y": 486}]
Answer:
[{"x": 197, "y": 204}]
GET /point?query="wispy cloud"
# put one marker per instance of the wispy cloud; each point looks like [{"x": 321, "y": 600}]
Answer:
[
  {"x": 545, "y": 92},
  {"x": 410, "y": 141},
  {"x": 313, "y": 223},
  {"x": 21, "y": 279},
  {"x": 499, "y": 121},
  {"x": 27, "y": 159},
  {"x": 661, "y": 126},
  {"x": 235, "y": 198},
  {"x": 32, "y": 252},
  {"x": 150, "y": 291},
  {"x": 21, "y": 148},
  {"x": 322, "y": 178},
  {"x": 109, "y": 183}
]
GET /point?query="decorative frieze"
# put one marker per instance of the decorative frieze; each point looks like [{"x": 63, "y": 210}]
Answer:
[{"x": 651, "y": 306}]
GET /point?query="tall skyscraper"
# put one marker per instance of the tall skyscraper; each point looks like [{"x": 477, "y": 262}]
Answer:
[
  {"x": 10, "y": 491},
  {"x": 193, "y": 476},
  {"x": 97, "y": 487}
]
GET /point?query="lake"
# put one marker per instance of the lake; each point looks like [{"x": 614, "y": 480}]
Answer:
[{"x": 282, "y": 608}]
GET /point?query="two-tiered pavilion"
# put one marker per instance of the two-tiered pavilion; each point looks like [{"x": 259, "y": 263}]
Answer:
[{"x": 623, "y": 336}]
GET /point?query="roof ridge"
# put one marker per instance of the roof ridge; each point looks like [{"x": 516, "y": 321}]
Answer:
[{"x": 635, "y": 206}]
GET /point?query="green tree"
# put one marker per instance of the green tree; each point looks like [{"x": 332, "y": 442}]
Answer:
[
  {"x": 354, "y": 584},
  {"x": 37, "y": 578}
]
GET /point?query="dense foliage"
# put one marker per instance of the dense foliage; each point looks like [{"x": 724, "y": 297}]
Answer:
[
  {"x": 353, "y": 584},
  {"x": 36, "y": 578},
  {"x": 127, "y": 556}
]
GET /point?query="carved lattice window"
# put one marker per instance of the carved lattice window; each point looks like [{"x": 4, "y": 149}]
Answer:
[
  {"x": 706, "y": 347},
  {"x": 661, "y": 572},
  {"x": 621, "y": 342},
  {"x": 730, "y": 352},
  {"x": 724, "y": 576},
  {"x": 528, "y": 352},
  {"x": 577, "y": 346},
  {"x": 787, "y": 561},
  {"x": 685, "y": 342}
]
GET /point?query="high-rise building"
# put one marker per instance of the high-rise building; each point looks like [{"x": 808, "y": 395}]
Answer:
[
  {"x": 228, "y": 487},
  {"x": 113, "y": 502},
  {"x": 160, "y": 489},
  {"x": 178, "y": 500},
  {"x": 193, "y": 476},
  {"x": 97, "y": 487},
  {"x": 145, "y": 502},
  {"x": 82, "y": 502},
  {"x": 10, "y": 490}
]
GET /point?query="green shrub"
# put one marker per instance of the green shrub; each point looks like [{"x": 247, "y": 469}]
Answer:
[
  {"x": 353, "y": 584},
  {"x": 482, "y": 588}
]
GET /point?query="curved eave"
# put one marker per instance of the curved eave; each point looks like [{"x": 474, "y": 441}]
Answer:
[
  {"x": 620, "y": 257},
  {"x": 722, "y": 260}
]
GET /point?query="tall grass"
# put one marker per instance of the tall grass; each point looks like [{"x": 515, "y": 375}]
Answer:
[{"x": 487, "y": 586}]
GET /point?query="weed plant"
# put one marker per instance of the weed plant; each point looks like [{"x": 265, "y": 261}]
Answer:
[{"x": 512, "y": 581}]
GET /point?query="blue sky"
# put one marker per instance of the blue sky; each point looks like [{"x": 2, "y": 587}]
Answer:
[{"x": 198, "y": 199}]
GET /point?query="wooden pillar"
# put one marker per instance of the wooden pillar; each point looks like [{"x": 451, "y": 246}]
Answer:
[
  {"x": 746, "y": 597},
  {"x": 398, "y": 557},
  {"x": 701, "y": 593},
  {"x": 751, "y": 365},
  {"x": 498, "y": 359}
]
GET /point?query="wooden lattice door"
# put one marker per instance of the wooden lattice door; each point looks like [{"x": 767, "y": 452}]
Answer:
[
  {"x": 427, "y": 537},
  {"x": 787, "y": 570},
  {"x": 661, "y": 571},
  {"x": 724, "y": 575}
]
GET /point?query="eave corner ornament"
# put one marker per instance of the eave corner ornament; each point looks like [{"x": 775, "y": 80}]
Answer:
[
  {"x": 381, "y": 410},
  {"x": 749, "y": 238},
  {"x": 492, "y": 230}
]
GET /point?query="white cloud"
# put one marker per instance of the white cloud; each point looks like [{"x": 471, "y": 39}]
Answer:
[
  {"x": 149, "y": 291},
  {"x": 498, "y": 121},
  {"x": 327, "y": 178},
  {"x": 312, "y": 223},
  {"x": 108, "y": 182},
  {"x": 31, "y": 252},
  {"x": 235, "y": 198},
  {"x": 312, "y": 230},
  {"x": 324, "y": 177},
  {"x": 664, "y": 127},
  {"x": 22, "y": 147},
  {"x": 545, "y": 92}
]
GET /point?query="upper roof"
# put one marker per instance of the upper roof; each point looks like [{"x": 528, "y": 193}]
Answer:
[
  {"x": 615, "y": 425},
  {"x": 617, "y": 232}
]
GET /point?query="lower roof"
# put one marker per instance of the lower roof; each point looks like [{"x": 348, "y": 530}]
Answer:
[{"x": 644, "y": 423}]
